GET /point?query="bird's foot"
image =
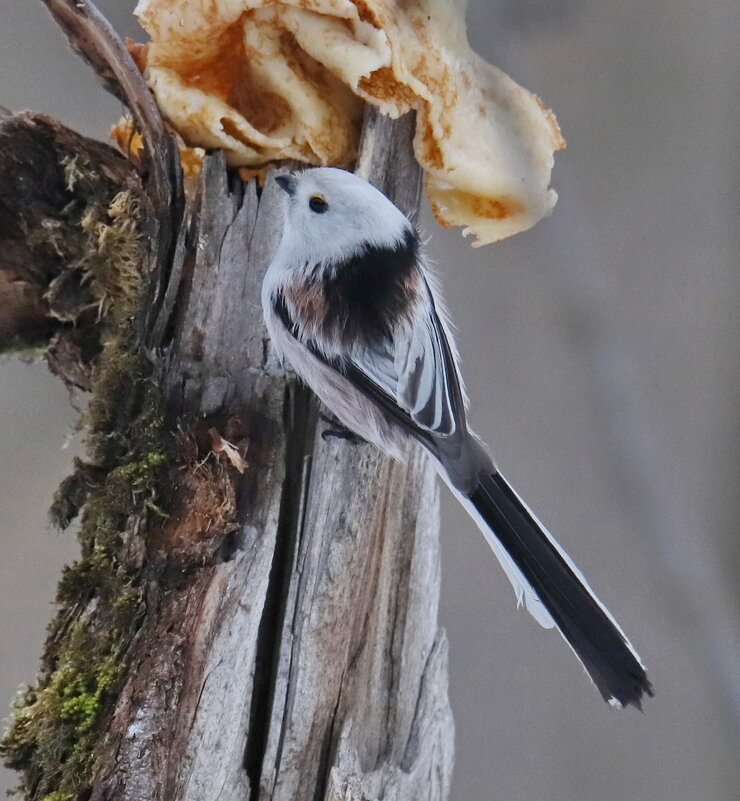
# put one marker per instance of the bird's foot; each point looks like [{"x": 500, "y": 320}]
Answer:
[{"x": 336, "y": 430}]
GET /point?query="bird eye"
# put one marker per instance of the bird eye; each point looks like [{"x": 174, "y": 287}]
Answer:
[{"x": 318, "y": 204}]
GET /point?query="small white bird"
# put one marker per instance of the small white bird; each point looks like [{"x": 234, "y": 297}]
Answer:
[{"x": 350, "y": 302}]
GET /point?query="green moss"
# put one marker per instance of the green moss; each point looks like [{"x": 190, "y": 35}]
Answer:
[
  {"x": 54, "y": 729},
  {"x": 114, "y": 257},
  {"x": 95, "y": 241},
  {"x": 23, "y": 349},
  {"x": 58, "y": 726},
  {"x": 58, "y": 796}
]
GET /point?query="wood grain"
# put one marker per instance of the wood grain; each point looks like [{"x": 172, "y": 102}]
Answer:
[
  {"x": 307, "y": 663},
  {"x": 287, "y": 645}
]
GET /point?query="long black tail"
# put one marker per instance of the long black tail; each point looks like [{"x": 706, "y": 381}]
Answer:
[{"x": 589, "y": 629}]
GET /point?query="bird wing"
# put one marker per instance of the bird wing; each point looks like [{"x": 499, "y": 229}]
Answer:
[
  {"x": 415, "y": 371},
  {"x": 412, "y": 376}
]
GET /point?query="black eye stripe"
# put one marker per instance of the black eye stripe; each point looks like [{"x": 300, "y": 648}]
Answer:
[{"x": 318, "y": 204}]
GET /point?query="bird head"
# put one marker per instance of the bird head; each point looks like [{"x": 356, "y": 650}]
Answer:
[{"x": 331, "y": 215}]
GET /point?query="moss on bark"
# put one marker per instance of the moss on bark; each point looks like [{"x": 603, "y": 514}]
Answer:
[{"x": 58, "y": 724}]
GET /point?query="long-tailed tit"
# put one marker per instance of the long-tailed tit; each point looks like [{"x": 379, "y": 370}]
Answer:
[{"x": 350, "y": 302}]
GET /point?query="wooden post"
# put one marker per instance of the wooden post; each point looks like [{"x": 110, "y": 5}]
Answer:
[{"x": 279, "y": 634}]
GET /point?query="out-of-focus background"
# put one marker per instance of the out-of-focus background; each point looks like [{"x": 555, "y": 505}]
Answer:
[{"x": 601, "y": 354}]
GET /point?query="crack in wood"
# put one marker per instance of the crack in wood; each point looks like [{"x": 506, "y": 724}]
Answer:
[{"x": 300, "y": 424}]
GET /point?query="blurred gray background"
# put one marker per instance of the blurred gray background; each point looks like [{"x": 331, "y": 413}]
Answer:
[{"x": 601, "y": 354}]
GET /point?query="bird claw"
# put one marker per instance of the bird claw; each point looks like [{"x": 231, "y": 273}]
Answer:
[{"x": 337, "y": 431}]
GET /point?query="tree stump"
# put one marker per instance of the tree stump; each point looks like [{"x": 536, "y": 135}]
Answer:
[{"x": 254, "y": 614}]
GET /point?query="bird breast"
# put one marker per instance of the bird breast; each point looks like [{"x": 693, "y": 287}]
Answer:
[{"x": 360, "y": 301}]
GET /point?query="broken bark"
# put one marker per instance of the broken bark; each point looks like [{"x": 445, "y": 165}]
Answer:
[{"x": 256, "y": 621}]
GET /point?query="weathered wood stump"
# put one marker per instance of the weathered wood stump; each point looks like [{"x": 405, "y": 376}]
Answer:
[{"x": 254, "y": 615}]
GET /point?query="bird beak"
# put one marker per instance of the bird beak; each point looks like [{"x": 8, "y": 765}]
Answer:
[{"x": 287, "y": 183}]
